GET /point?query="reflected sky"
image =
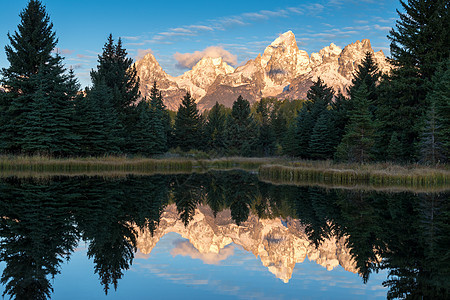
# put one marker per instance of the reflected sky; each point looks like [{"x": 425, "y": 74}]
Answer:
[
  {"x": 196, "y": 235},
  {"x": 233, "y": 273}
]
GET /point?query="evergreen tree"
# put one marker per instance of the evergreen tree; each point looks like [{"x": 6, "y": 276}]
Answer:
[
  {"x": 117, "y": 71},
  {"x": 188, "y": 125},
  {"x": 302, "y": 135},
  {"x": 215, "y": 128},
  {"x": 290, "y": 145},
  {"x": 340, "y": 110},
  {"x": 98, "y": 123},
  {"x": 358, "y": 140},
  {"x": 439, "y": 97},
  {"x": 322, "y": 143},
  {"x": 419, "y": 43},
  {"x": 394, "y": 150},
  {"x": 35, "y": 74},
  {"x": 147, "y": 135},
  {"x": 266, "y": 137},
  {"x": 368, "y": 73},
  {"x": 319, "y": 97},
  {"x": 38, "y": 128},
  {"x": 431, "y": 149},
  {"x": 161, "y": 112},
  {"x": 279, "y": 122},
  {"x": 242, "y": 130}
]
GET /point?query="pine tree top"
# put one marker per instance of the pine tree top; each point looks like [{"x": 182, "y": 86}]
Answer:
[
  {"x": 320, "y": 92},
  {"x": 33, "y": 42},
  {"x": 367, "y": 72},
  {"x": 156, "y": 99},
  {"x": 241, "y": 109},
  {"x": 117, "y": 71},
  {"x": 420, "y": 38}
]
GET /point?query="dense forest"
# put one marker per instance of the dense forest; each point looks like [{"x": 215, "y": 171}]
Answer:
[{"x": 403, "y": 116}]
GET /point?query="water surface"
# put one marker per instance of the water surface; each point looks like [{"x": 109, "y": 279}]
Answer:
[{"x": 221, "y": 234}]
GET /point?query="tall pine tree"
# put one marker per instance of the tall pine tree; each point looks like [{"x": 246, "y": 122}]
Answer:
[
  {"x": 431, "y": 148},
  {"x": 188, "y": 125},
  {"x": 367, "y": 72},
  {"x": 241, "y": 130},
  {"x": 358, "y": 140},
  {"x": 266, "y": 137},
  {"x": 435, "y": 135},
  {"x": 419, "y": 43},
  {"x": 147, "y": 134},
  {"x": 215, "y": 128},
  {"x": 319, "y": 97},
  {"x": 160, "y": 110},
  {"x": 117, "y": 72},
  {"x": 98, "y": 123},
  {"x": 440, "y": 96},
  {"x": 36, "y": 78},
  {"x": 322, "y": 144}
]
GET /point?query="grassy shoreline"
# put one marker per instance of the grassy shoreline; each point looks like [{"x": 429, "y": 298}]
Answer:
[
  {"x": 43, "y": 164},
  {"x": 376, "y": 175},
  {"x": 275, "y": 170}
]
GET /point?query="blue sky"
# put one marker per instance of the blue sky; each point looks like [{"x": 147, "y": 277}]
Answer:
[
  {"x": 241, "y": 275},
  {"x": 237, "y": 29}
]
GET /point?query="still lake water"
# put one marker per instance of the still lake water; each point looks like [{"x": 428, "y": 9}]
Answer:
[{"x": 220, "y": 234}]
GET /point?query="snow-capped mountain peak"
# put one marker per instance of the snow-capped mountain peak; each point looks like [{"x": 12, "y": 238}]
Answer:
[
  {"x": 282, "y": 60},
  {"x": 286, "y": 38},
  {"x": 202, "y": 75},
  {"x": 281, "y": 71}
]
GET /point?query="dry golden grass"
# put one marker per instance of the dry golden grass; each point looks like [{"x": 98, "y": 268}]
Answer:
[
  {"x": 10, "y": 164},
  {"x": 277, "y": 170},
  {"x": 381, "y": 174}
]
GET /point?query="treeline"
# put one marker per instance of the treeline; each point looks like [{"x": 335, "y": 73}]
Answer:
[
  {"x": 403, "y": 116},
  {"x": 43, "y": 221}
]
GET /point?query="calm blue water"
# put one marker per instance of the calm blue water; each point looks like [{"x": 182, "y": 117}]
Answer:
[
  {"x": 221, "y": 235},
  {"x": 161, "y": 275}
]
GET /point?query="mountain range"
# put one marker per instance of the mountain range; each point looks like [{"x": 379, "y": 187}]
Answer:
[
  {"x": 282, "y": 71},
  {"x": 279, "y": 244}
]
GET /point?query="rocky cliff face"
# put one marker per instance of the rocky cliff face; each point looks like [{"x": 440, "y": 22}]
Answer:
[
  {"x": 203, "y": 75},
  {"x": 278, "y": 244},
  {"x": 247, "y": 80},
  {"x": 149, "y": 71},
  {"x": 335, "y": 67},
  {"x": 283, "y": 71}
]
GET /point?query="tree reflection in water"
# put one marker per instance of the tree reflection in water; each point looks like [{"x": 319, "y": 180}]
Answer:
[{"x": 44, "y": 219}]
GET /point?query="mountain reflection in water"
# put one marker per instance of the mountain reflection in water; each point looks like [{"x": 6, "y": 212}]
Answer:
[
  {"x": 278, "y": 246},
  {"x": 44, "y": 219}
]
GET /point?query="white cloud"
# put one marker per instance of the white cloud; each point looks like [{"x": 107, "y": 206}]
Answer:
[
  {"x": 185, "y": 248},
  {"x": 296, "y": 10},
  {"x": 230, "y": 21},
  {"x": 188, "y": 60},
  {"x": 201, "y": 27},
  {"x": 131, "y": 38},
  {"x": 383, "y": 28},
  {"x": 314, "y": 8}
]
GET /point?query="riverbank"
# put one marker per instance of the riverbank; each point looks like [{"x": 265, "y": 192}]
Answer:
[
  {"x": 276, "y": 170},
  {"x": 114, "y": 164},
  {"x": 380, "y": 174}
]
